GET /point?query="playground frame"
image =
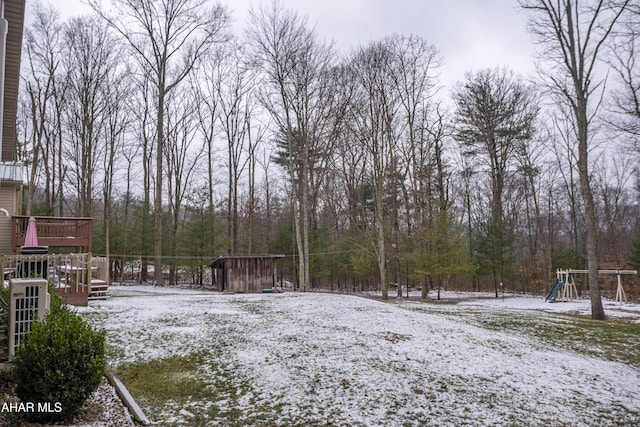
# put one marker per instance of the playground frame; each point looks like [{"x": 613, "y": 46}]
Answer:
[{"x": 565, "y": 286}]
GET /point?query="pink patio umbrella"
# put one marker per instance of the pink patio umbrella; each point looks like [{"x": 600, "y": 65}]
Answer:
[{"x": 31, "y": 237}]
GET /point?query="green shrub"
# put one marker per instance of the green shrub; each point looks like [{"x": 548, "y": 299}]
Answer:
[
  {"x": 58, "y": 365},
  {"x": 57, "y": 302}
]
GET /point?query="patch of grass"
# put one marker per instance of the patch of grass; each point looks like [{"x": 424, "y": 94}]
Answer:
[
  {"x": 114, "y": 349},
  {"x": 197, "y": 388},
  {"x": 610, "y": 340},
  {"x": 394, "y": 338},
  {"x": 158, "y": 381},
  {"x": 252, "y": 307}
]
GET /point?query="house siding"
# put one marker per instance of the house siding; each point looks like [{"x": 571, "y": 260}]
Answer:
[
  {"x": 14, "y": 14},
  {"x": 8, "y": 201}
]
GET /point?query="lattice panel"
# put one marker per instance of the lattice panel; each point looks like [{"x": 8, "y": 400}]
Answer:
[{"x": 29, "y": 302}]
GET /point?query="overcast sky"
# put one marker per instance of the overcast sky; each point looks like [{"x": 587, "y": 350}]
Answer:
[{"x": 470, "y": 34}]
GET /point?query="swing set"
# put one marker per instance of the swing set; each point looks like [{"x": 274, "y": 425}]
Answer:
[{"x": 565, "y": 287}]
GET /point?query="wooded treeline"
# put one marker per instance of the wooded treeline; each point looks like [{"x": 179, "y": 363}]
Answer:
[{"x": 185, "y": 141}]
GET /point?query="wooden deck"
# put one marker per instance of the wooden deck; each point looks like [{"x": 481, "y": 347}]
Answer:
[
  {"x": 61, "y": 232},
  {"x": 78, "y": 278}
]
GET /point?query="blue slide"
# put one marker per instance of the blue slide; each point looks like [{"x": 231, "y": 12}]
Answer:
[{"x": 554, "y": 291}]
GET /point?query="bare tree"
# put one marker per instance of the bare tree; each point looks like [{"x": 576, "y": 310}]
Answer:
[
  {"x": 167, "y": 42},
  {"x": 144, "y": 135},
  {"x": 205, "y": 83},
  {"x": 537, "y": 259},
  {"x": 625, "y": 61},
  {"x": 265, "y": 161},
  {"x": 183, "y": 153},
  {"x": 495, "y": 116},
  {"x": 292, "y": 62},
  {"x": 572, "y": 36},
  {"x": 116, "y": 93},
  {"x": 236, "y": 107},
  {"x": 414, "y": 72},
  {"x": 375, "y": 124},
  {"x": 563, "y": 143},
  {"x": 43, "y": 50},
  {"x": 255, "y": 139},
  {"x": 615, "y": 206},
  {"x": 90, "y": 59},
  {"x": 130, "y": 152}
]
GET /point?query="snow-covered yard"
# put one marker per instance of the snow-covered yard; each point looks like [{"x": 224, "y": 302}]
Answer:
[{"x": 329, "y": 359}]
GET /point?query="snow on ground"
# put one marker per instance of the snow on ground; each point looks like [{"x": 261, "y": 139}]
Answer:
[
  {"x": 626, "y": 311},
  {"x": 330, "y": 359}
]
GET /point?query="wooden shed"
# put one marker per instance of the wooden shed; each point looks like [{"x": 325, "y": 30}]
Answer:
[{"x": 244, "y": 273}]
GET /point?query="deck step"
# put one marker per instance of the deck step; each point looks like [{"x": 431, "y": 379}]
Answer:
[{"x": 99, "y": 290}]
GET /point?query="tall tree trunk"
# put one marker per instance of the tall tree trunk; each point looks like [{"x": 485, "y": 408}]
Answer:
[
  {"x": 146, "y": 207},
  {"x": 591, "y": 227},
  {"x": 157, "y": 205},
  {"x": 575, "y": 33},
  {"x": 305, "y": 212},
  {"x": 380, "y": 245}
]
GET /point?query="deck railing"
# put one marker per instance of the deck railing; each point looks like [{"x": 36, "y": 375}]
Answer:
[
  {"x": 55, "y": 231},
  {"x": 77, "y": 277}
]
